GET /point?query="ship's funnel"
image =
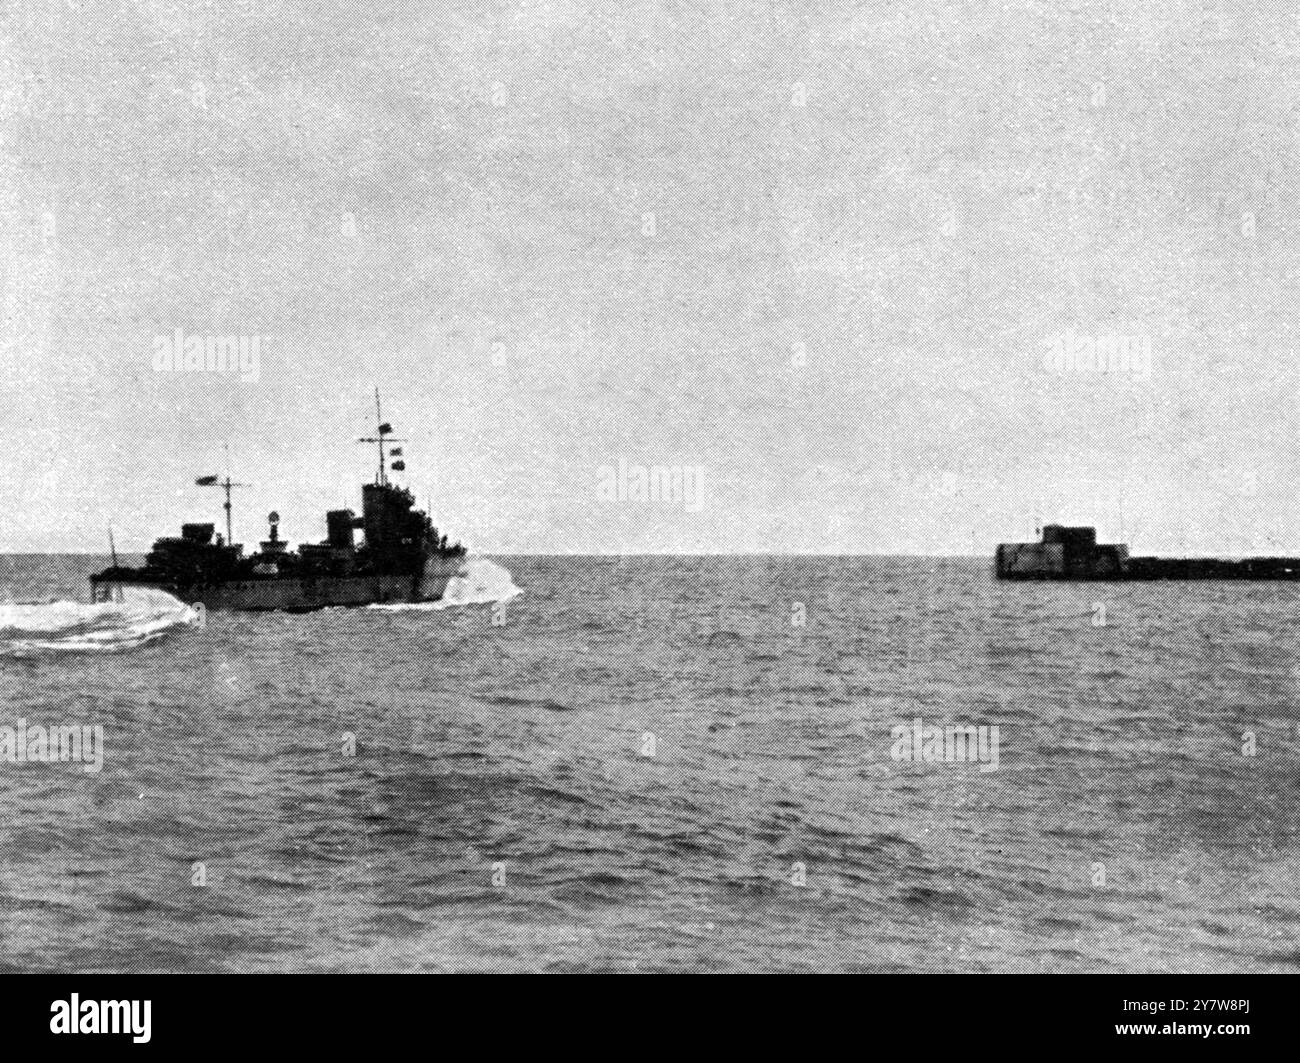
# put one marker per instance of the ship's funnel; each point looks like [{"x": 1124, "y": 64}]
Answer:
[
  {"x": 197, "y": 533},
  {"x": 340, "y": 523}
]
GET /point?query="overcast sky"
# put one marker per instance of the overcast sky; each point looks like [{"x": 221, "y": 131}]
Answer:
[{"x": 819, "y": 250}]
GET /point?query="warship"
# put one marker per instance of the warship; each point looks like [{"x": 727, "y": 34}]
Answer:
[
  {"x": 1073, "y": 553},
  {"x": 403, "y": 557}
]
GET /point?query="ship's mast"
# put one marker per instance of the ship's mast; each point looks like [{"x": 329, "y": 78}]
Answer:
[
  {"x": 384, "y": 437},
  {"x": 379, "y": 420},
  {"x": 229, "y": 536},
  {"x": 226, "y": 485}
]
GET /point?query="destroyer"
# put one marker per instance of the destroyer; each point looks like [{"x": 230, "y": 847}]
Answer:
[{"x": 402, "y": 559}]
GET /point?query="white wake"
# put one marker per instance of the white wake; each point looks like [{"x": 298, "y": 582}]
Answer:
[
  {"x": 481, "y": 581},
  {"x": 141, "y": 615}
]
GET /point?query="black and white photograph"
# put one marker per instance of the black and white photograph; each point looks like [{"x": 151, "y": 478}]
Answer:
[{"x": 666, "y": 487}]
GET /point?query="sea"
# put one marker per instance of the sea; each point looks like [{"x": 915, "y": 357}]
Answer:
[{"x": 658, "y": 763}]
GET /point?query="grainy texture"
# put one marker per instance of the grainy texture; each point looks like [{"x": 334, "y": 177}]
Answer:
[
  {"x": 501, "y": 812},
  {"x": 816, "y": 302}
]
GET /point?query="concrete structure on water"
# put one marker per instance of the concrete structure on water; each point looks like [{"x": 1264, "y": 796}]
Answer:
[
  {"x": 1073, "y": 553},
  {"x": 1064, "y": 553}
]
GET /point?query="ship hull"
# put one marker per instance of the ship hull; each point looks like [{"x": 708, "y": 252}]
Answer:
[{"x": 296, "y": 595}]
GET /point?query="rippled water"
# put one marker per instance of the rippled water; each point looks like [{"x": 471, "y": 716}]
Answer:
[{"x": 506, "y": 742}]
